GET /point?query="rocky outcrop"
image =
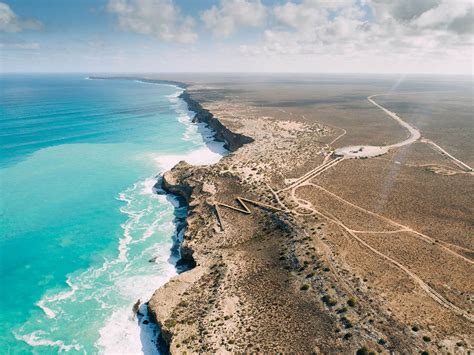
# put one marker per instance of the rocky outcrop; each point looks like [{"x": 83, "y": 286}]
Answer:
[
  {"x": 233, "y": 141},
  {"x": 180, "y": 181},
  {"x": 172, "y": 181},
  {"x": 164, "y": 302}
]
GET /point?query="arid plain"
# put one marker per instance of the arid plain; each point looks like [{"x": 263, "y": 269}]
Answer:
[{"x": 300, "y": 249}]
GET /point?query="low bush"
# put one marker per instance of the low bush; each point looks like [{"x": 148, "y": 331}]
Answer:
[
  {"x": 170, "y": 323},
  {"x": 351, "y": 302},
  {"x": 328, "y": 300}
]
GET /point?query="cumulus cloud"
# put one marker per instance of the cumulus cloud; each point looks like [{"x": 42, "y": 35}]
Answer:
[
  {"x": 313, "y": 26},
  {"x": 230, "y": 15},
  {"x": 457, "y": 17},
  {"x": 10, "y": 22},
  {"x": 352, "y": 27},
  {"x": 435, "y": 15},
  {"x": 402, "y": 10},
  {"x": 158, "y": 18}
]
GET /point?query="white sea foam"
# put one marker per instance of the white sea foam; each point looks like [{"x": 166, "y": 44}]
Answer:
[
  {"x": 126, "y": 333},
  {"x": 210, "y": 151},
  {"x": 148, "y": 188},
  {"x": 61, "y": 296},
  {"x": 199, "y": 156},
  {"x": 117, "y": 278},
  {"x": 36, "y": 339}
]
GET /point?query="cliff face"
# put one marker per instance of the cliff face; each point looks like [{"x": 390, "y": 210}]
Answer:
[
  {"x": 173, "y": 181},
  {"x": 165, "y": 299},
  {"x": 188, "y": 183},
  {"x": 233, "y": 141},
  {"x": 168, "y": 302},
  {"x": 178, "y": 181}
]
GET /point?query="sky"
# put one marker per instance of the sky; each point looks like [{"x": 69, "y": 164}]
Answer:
[{"x": 317, "y": 36}]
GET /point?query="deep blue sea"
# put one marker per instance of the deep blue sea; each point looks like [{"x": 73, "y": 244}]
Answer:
[{"x": 82, "y": 233}]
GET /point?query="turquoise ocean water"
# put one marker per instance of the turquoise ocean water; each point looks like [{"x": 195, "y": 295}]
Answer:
[{"x": 82, "y": 233}]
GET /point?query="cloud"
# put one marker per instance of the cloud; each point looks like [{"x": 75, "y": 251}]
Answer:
[
  {"x": 402, "y": 10},
  {"x": 314, "y": 26},
  {"x": 307, "y": 14},
  {"x": 434, "y": 15},
  {"x": 10, "y": 22},
  {"x": 158, "y": 18},
  {"x": 355, "y": 28},
  {"x": 230, "y": 15},
  {"x": 457, "y": 17}
]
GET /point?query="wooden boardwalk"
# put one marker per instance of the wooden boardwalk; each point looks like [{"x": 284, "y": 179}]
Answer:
[{"x": 243, "y": 209}]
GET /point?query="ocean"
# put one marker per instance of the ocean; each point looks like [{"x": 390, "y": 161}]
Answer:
[{"x": 83, "y": 235}]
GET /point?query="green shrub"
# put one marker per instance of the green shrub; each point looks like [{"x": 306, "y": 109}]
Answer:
[
  {"x": 170, "y": 323},
  {"x": 362, "y": 351},
  {"x": 346, "y": 322},
  {"x": 351, "y": 302},
  {"x": 341, "y": 310},
  {"x": 328, "y": 300}
]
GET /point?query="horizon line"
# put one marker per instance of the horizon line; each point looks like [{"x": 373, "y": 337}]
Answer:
[{"x": 234, "y": 72}]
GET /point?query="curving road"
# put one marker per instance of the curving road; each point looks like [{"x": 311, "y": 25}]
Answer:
[{"x": 369, "y": 151}]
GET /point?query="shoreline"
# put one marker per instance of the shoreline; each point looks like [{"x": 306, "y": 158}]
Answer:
[
  {"x": 140, "y": 79},
  {"x": 182, "y": 193},
  {"x": 192, "y": 138},
  {"x": 232, "y": 141},
  {"x": 150, "y": 331},
  {"x": 180, "y": 259}
]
